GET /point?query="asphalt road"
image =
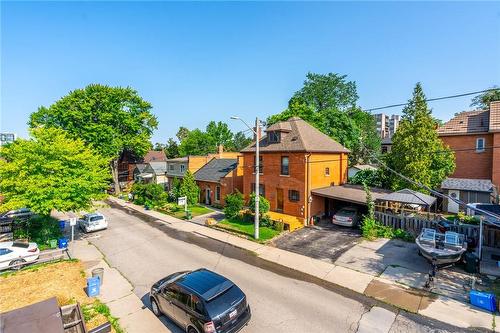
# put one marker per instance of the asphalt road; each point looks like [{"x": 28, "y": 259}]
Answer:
[{"x": 144, "y": 251}]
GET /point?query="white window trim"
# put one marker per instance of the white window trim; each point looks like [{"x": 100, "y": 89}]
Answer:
[{"x": 480, "y": 150}]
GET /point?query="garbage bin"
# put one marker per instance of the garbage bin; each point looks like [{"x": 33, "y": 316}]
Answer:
[
  {"x": 62, "y": 243},
  {"x": 93, "y": 286},
  {"x": 53, "y": 243},
  {"x": 62, "y": 224},
  {"x": 98, "y": 272},
  {"x": 471, "y": 262},
  {"x": 189, "y": 215}
]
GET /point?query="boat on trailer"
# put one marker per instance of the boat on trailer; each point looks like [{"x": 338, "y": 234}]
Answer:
[{"x": 441, "y": 248}]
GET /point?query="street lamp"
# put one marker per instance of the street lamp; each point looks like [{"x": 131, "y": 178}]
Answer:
[{"x": 256, "y": 131}]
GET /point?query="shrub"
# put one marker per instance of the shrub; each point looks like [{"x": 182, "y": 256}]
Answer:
[
  {"x": 467, "y": 219},
  {"x": 189, "y": 189},
  {"x": 278, "y": 226},
  {"x": 175, "y": 188},
  {"x": 265, "y": 221},
  {"x": 150, "y": 195},
  {"x": 372, "y": 229},
  {"x": 38, "y": 229},
  {"x": 263, "y": 204},
  {"x": 234, "y": 204}
]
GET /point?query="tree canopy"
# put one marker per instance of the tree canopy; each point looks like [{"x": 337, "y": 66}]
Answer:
[
  {"x": 109, "y": 119},
  {"x": 417, "y": 152},
  {"x": 51, "y": 171},
  {"x": 328, "y": 102},
  {"x": 483, "y": 100},
  {"x": 189, "y": 188}
]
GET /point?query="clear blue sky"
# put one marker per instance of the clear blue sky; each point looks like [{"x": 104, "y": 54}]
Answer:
[{"x": 199, "y": 61}]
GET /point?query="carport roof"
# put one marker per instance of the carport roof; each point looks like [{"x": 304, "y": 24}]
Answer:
[
  {"x": 349, "y": 193},
  {"x": 408, "y": 196}
]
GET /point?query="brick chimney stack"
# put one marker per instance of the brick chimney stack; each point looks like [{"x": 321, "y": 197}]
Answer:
[{"x": 220, "y": 150}]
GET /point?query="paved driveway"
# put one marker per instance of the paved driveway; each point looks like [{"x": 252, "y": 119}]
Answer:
[{"x": 324, "y": 241}]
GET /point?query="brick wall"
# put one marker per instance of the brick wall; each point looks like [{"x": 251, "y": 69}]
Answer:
[{"x": 471, "y": 164}]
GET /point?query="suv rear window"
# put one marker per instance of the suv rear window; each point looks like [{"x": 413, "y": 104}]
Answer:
[
  {"x": 95, "y": 218},
  {"x": 223, "y": 302}
]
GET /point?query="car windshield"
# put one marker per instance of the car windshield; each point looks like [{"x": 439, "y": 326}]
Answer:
[
  {"x": 223, "y": 302},
  {"x": 347, "y": 211}
]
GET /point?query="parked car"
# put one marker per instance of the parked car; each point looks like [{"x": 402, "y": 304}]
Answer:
[
  {"x": 18, "y": 213},
  {"x": 347, "y": 217},
  {"x": 92, "y": 222},
  {"x": 14, "y": 254},
  {"x": 201, "y": 301}
]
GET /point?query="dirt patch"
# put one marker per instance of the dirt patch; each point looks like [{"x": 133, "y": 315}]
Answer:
[{"x": 64, "y": 280}]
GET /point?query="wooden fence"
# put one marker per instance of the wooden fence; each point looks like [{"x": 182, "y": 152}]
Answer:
[{"x": 413, "y": 225}]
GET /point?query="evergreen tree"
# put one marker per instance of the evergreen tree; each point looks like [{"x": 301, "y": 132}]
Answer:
[
  {"x": 417, "y": 152},
  {"x": 189, "y": 188}
]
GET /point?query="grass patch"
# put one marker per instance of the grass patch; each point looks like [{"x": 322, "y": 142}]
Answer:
[
  {"x": 247, "y": 229},
  {"x": 93, "y": 312},
  {"x": 178, "y": 211}
]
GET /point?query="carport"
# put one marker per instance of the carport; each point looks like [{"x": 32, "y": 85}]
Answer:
[
  {"x": 327, "y": 200},
  {"x": 407, "y": 200}
]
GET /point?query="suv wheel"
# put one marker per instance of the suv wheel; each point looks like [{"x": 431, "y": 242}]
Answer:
[
  {"x": 192, "y": 330},
  {"x": 17, "y": 262},
  {"x": 156, "y": 309}
]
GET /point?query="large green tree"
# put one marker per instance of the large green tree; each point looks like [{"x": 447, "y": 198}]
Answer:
[
  {"x": 328, "y": 102},
  {"x": 417, "y": 152},
  {"x": 172, "y": 148},
  {"x": 240, "y": 141},
  {"x": 50, "y": 171},
  {"x": 196, "y": 142},
  {"x": 109, "y": 119},
  {"x": 189, "y": 188},
  {"x": 483, "y": 100},
  {"x": 219, "y": 134}
]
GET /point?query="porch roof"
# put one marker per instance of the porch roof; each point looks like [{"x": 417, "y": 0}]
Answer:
[
  {"x": 411, "y": 197},
  {"x": 349, "y": 193}
]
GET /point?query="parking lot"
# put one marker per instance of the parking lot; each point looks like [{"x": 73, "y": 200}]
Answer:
[{"x": 323, "y": 241}]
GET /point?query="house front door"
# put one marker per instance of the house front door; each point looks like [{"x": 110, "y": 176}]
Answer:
[
  {"x": 207, "y": 197},
  {"x": 279, "y": 199}
]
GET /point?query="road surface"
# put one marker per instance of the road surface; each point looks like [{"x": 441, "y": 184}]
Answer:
[{"x": 145, "y": 250}]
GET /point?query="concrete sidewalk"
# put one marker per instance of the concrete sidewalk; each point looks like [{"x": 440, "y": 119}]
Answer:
[
  {"x": 433, "y": 306},
  {"x": 116, "y": 292}
]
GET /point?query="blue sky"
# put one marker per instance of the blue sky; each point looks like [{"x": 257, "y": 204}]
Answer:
[{"x": 201, "y": 61}]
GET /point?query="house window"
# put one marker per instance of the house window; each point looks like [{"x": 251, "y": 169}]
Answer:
[
  {"x": 274, "y": 137},
  {"x": 327, "y": 171},
  {"x": 261, "y": 164},
  {"x": 284, "y": 165},
  {"x": 479, "y": 145},
  {"x": 217, "y": 193},
  {"x": 171, "y": 167},
  {"x": 293, "y": 195},
  {"x": 183, "y": 168},
  {"x": 262, "y": 189}
]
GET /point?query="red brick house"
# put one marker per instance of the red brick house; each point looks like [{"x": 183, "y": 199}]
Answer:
[{"x": 474, "y": 136}]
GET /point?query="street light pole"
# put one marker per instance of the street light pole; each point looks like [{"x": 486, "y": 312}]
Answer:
[{"x": 256, "y": 131}]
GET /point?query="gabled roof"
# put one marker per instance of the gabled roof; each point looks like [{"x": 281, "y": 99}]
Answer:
[
  {"x": 298, "y": 136},
  {"x": 155, "y": 156},
  {"x": 408, "y": 196},
  {"x": 178, "y": 159},
  {"x": 216, "y": 169},
  {"x": 140, "y": 167},
  {"x": 476, "y": 185},
  {"x": 158, "y": 168},
  {"x": 467, "y": 122}
]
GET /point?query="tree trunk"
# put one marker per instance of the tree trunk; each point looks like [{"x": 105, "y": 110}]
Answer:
[{"x": 114, "y": 172}]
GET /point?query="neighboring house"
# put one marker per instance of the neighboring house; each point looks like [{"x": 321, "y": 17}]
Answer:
[
  {"x": 352, "y": 171},
  {"x": 474, "y": 136},
  {"x": 177, "y": 167},
  {"x": 155, "y": 156},
  {"x": 138, "y": 172},
  {"x": 6, "y": 138},
  {"x": 155, "y": 172},
  {"x": 468, "y": 191},
  {"x": 218, "y": 178},
  {"x": 295, "y": 158},
  {"x": 386, "y": 145},
  {"x": 126, "y": 165}
]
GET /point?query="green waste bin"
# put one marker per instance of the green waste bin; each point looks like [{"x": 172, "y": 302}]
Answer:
[
  {"x": 471, "y": 262},
  {"x": 189, "y": 215},
  {"x": 53, "y": 243}
]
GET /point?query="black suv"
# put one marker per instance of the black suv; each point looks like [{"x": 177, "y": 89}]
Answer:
[{"x": 201, "y": 301}]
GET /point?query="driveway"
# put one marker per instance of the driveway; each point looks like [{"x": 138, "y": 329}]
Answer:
[{"x": 324, "y": 241}]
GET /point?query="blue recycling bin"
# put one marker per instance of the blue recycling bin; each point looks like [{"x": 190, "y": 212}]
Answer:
[
  {"x": 483, "y": 300},
  {"x": 62, "y": 224},
  {"x": 62, "y": 243},
  {"x": 93, "y": 286}
]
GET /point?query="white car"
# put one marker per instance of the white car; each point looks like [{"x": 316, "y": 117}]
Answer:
[
  {"x": 18, "y": 213},
  {"x": 92, "y": 222},
  {"x": 14, "y": 254}
]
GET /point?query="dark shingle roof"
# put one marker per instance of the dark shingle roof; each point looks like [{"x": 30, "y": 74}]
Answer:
[
  {"x": 467, "y": 122},
  {"x": 297, "y": 135},
  {"x": 476, "y": 185},
  {"x": 214, "y": 170},
  {"x": 349, "y": 193}
]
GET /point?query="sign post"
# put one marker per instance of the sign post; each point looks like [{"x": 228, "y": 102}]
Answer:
[
  {"x": 182, "y": 201},
  {"x": 72, "y": 223}
]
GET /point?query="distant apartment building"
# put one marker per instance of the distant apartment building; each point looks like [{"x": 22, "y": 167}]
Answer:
[
  {"x": 386, "y": 125},
  {"x": 6, "y": 138}
]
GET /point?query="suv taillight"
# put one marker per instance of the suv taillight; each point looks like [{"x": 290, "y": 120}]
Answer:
[
  {"x": 209, "y": 327},
  {"x": 33, "y": 249}
]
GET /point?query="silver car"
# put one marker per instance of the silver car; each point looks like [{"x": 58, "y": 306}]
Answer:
[
  {"x": 347, "y": 217},
  {"x": 92, "y": 222}
]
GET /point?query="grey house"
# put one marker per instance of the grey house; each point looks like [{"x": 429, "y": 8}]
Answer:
[{"x": 468, "y": 191}]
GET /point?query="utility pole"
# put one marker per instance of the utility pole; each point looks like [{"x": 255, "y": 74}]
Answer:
[{"x": 257, "y": 176}]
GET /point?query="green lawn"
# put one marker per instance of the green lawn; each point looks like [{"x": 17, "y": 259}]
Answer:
[
  {"x": 247, "y": 228},
  {"x": 196, "y": 210}
]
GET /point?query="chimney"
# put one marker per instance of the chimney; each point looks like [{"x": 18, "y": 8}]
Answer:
[{"x": 220, "y": 150}]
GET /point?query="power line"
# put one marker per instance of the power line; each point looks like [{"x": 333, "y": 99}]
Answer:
[{"x": 432, "y": 99}]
